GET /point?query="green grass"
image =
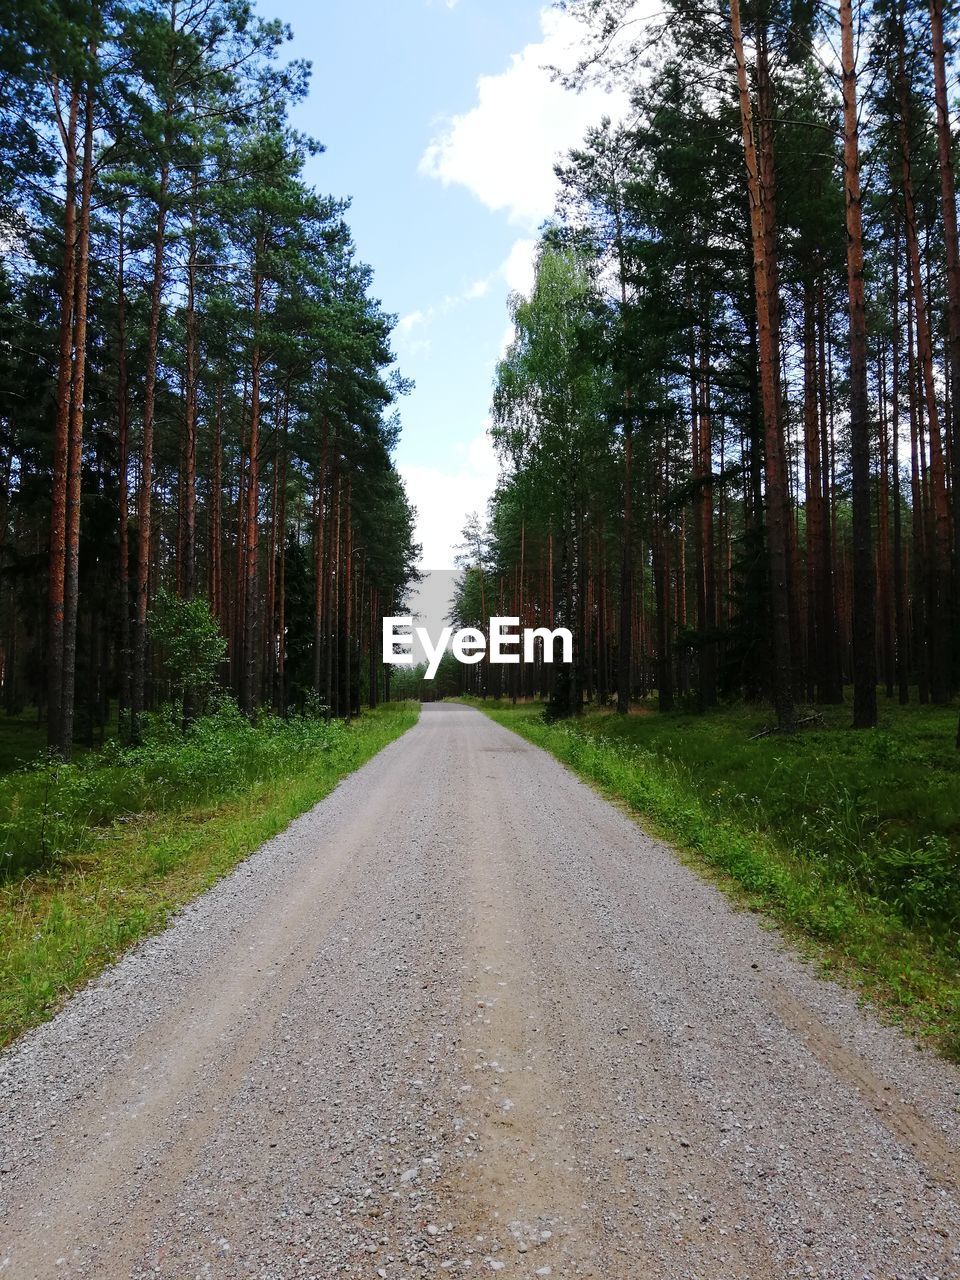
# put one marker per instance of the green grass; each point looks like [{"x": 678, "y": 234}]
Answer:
[
  {"x": 128, "y": 837},
  {"x": 849, "y": 839}
]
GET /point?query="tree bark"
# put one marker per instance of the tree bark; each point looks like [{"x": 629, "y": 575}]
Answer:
[
  {"x": 281, "y": 698},
  {"x": 816, "y": 641},
  {"x": 123, "y": 485},
  {"x": 58, "y": 507},
  {"x": 145, "y": 497},
  {"x": 774, "y": 463},
  {"x": 939, "y": 548},
  {"x": 248, "y": 686},
  {"x": 884, "y": 569},
  {"x": 190, "y": 415},
  {"x": 899, "y": 609},
  {"x": 918, "y": 519},
  {"x": 625, "y": 635},
  {"x": 331, "y": 589},
  {"x": 347, "y": 703},
  {"x": 318, "y": 560},
  {"x": 216, "y": 515},
  {"x": 71, "y": 585},
  {"x": 948, "y": 195},
  {"x": 864, "y": 581}
]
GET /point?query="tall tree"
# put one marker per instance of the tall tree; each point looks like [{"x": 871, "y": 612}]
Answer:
[{"x": 864, "y": 586}]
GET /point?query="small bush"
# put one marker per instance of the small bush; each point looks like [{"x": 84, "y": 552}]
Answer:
[{"x": 190, "y": 647}]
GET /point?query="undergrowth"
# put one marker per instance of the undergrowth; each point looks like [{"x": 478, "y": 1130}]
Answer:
[{"x": 50, "y": 810}]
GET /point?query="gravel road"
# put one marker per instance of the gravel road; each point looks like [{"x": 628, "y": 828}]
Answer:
[{"x": 466, "y": 1018}]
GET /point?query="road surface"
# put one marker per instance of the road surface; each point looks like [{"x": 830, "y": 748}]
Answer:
[{"x": 463, "y": 1019}]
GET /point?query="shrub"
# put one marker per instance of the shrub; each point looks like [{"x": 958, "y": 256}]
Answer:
[
  {"x": 187, "y": 638},
  {"x": 47, "y": 811}
]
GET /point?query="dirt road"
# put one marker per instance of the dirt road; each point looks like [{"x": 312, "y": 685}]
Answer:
[{"x": 466, "y": 1018}]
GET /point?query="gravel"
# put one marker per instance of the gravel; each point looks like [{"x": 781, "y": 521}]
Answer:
[{"x": 464, "y": 1019}]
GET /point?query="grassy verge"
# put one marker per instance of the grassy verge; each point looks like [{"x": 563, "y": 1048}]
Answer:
[
  {"x": 130, "y": 839},
  {"x": 850, "y": 840}
]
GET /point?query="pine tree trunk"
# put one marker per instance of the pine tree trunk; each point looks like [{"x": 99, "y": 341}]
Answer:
[
  {"x": 71, "y": 584},
  {"x": 899, "y": 609},
  {"x": 237, "y": 602},
  {"x": 768, "y": 199},
  {"x": 625, "y": 628},
  {"x": 777, "y": 537},
  {"x": 216, "y": 514},
  {"x": 58, "y": 508},
  {"x": 281, "y": 699},
  {"x": 884, "y": 574},
  {"x": 248, "y": 676},
  {"x": 124, "y": 654},
  {"x": 347, "y": 703},
  {"x": 814, "y": 496},
  {"x": 318, "y": 550},
  {"x": 919, "y": 523},
  {"x": 269, "y": 627},
  {"x": 661, "y": 575},
  {"x": 333, "y": 578},
  {"x": 581, "y": 651},
  {"x": 662, "y": 591},
  {"x": 948, "y": 195},
  {"x": 939, "y": 556},
  {"x": 374, "y": 639},
  {"x": 145, "y": 497},
  {"x": 831, "y": 688},
  {"x": 864, "y": 581},
  {"x": 702, "y": 457},
  {"x": 190, "y": 442}
]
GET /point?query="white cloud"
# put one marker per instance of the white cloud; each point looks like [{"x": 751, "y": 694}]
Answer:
[
  {"x": 518, "y": 270},
  {"x": 406, "y": 340},
  {"x": 504, "y": 148},
  {"x": 409, "y": 322},
  {"x": 506, "y": 342},
  {"x": 408, "y": 343},
  {"x": 444, "y": 497}
]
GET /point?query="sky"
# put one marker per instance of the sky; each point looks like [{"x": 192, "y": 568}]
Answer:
[{"x": 442, "y": 124}]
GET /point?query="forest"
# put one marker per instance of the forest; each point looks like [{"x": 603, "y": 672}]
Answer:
[
  {"x": 642, "y": 960},
  {"x": 198, "y": 397},
  {"x": 728, "y": 423},
  {"x": 730, "y": 412}
]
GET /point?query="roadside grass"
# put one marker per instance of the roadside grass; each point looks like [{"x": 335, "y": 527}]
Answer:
[
  {"x": 849, "y": 839},
  {"x": 132, "y": 836}
]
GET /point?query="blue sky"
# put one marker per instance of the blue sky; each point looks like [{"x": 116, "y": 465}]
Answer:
[{"x": 442, "y": 125}]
